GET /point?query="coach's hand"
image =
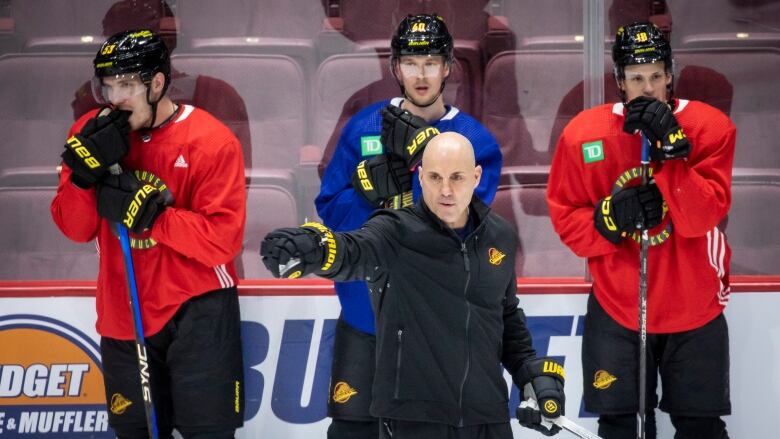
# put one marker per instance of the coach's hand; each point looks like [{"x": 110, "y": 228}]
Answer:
[
  {"x": 294, "y": 252},
  {"x": 656, "y": 120},
  {"x": 405, "y": 134},
  {"x": 381, "y": 177},
  {"x": 542, "y": 380},
  {"x": 102, "y": 142},
  {"x": 127, "y": 200},
  {"x": 636, "y": 207}
]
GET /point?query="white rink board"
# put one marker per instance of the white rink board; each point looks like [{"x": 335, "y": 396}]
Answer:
[{"x": 304, "y": 323}]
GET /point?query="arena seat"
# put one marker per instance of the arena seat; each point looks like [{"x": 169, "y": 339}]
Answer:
[
  {"x": 540, "y": 251},
  {"x": 33, "y": 246},
  {"x": 274, "y": 92},
  {"x": 753, "y": 221},
  {"x": 522, "y": 93},
  {"x": 37, "y": 114},
  {"x": 755, "y": 108},
  {"x": 270, "y": 205},
  {"x": 59, "y": 26},
  {"x": 726, "y": 23}
]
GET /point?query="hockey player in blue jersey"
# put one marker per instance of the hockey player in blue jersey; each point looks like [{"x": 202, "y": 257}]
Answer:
[{"x": 373, "y": 166}]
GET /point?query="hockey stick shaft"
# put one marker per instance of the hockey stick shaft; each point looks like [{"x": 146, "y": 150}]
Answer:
[
  {"x": 643, "y": 250},
  {"x": 140, "y": 344},
  {"x": 138, "y": 327}
]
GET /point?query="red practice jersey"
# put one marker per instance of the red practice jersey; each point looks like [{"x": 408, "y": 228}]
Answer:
[
  {"x": 197, "y": 161},
  {"x": 688, "y": 259}
]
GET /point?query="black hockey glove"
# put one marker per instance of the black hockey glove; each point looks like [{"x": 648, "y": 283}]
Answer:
[
  {"x": 381, "y": 177},
  {"x": 127, "y": 200},
  {"x": 656, "y": 120},
  {"x": 632, "y": 208},
  {"x": 405, "y": 134},
  {"x": 102, "y": 142},
  {"x": 542, "y": 381},
  {"x": 294, "y": 252}
]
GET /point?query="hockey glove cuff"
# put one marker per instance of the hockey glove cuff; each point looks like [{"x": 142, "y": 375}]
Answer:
[
  {"x": 381, "y": 177},
  {"x": 405, "y": 135},
  {"x": 294, "y": 252}
]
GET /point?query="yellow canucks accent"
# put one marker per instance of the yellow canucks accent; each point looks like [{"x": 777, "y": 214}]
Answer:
[
  {"x": 605, "y": 213},
  {"x": 119, "y": 404},
  {"x": 81, "y": 151},
  {"x": 107, "y": 49},
  {"x": 142, "y": 33},
  {"x": 342, "y": 392},
  {"x": 363, "y": 176},
  {"x": 641, "y": 36},
  {"x": 330, "y": 241},
  {"x": 295, "y": 274},
  {"x": 418, "y": 26},
  {"x": 237, "y": 398},
  {"x": 495, "y": 256},
  {"x": 553, "y": 368},
  {"x": 603, "y": 379},
  {"x": 421, "y": 137},
  {"x": 677, "y": 136}
]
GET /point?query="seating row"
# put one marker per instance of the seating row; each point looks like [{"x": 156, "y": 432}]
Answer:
[{"x": 34, "y": 249}]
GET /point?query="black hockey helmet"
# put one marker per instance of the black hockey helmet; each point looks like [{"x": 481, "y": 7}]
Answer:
[
  {"x": 641, "y": 43},
  {"x": 136, "y": 51},
  {"x": 422, "y": 35}
]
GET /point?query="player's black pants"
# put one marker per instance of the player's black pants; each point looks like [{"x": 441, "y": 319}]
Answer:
[
  {"x": 352, "y": 375},
  {"x": 693, "y": 367},
  {"x": 196, "y": 373}
]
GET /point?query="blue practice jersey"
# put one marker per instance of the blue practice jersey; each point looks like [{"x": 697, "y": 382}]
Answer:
[{"x": 343, "y": 209}]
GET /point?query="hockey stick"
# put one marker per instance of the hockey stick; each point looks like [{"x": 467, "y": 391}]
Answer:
[
  {"x": 561, "y": 421},
  {"x": 643, "y": 248},
  {"x": 138, "y": 327}
]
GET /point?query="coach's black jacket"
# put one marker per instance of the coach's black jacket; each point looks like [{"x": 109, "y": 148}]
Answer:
[{"x": 447, "y": 314}]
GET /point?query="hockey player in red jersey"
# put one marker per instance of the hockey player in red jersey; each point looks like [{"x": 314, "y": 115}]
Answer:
[
  {"x": 182, "y": 195},
  {"x": 596, "y": 206}
]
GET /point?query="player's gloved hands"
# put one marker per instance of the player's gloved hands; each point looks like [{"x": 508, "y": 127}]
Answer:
[
  {"x": 656, "y": 120},
  {"x": 127, "y": 200},
  {"x": 293, "y": 252},
  {"x": 381, "y": 177},
  {"x": 542, "y": 380},
  {"x": 632, "y": 208},
  {"x": 405, "y": 134},
  {"x": 102, "y": 142}
]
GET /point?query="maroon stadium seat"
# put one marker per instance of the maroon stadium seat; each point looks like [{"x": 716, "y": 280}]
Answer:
[
  {"x": 522, "y": 93},
  {"x": 274, "y": 92},
  {"x": 755, "y": 108},
  {"x": 540, "y": 251},
  {"x": 33, "y": 246},
  {"x": 270, "y": 205},
  {"x": 753, "y": 222},
  {"x": 37, "y": 114},
  {"x": 726, "y": 23}
]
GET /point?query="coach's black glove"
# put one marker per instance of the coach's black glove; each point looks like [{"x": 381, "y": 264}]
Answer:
[
  {"x": 542, "y": 382},
  {"x": 102, "y": 142},
  {"x": 637, "y": 207},
  {"x": 293, "y": 252},
  {"x": 656, "y": 120},
  {"x": 381, "y": 177},
  {"x": 405, "y": 134},
  {"x": 127, "y": 200}
]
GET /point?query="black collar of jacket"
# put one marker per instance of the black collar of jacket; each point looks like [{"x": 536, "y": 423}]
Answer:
[{"x": 479, "y": 210}]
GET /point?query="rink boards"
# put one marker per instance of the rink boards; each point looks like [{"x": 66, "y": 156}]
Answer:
[{"x": 50, "y": 372}]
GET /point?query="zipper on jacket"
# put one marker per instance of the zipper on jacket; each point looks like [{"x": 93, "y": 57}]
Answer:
[
  {"x": 398, "y": 363},
  {"x": 464, "y": 251}
]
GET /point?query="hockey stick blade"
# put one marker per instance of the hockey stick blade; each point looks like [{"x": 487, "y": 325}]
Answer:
[{"x": 574, "y": 428}]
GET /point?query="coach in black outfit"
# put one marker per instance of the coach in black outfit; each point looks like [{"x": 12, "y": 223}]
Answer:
[{"x": 443, "y": 275}]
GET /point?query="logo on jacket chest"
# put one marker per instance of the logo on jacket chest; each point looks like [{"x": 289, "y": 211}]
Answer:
[{"x": 495, "y": 256}]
